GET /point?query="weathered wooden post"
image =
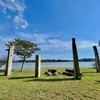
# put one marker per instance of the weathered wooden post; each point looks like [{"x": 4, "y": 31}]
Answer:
[
  {"x": 9, "y": 61},
  {"x": 77, "y": 74},
  {"x": 97, "y": 62},
  {"x": 37, "y": 66}
]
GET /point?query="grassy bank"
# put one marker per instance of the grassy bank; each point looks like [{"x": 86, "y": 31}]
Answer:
[{"x": 23, "y": 86}]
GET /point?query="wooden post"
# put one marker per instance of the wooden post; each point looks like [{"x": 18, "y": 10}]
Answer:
[
  {"x": 97, "y": 62},
  {"x": 37, "y": 66},
  {"x": 77, "y": 74},
  {"x": 9, "y": 61}
]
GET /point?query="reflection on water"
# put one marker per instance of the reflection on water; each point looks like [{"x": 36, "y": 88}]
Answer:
[{"x": 54, "y": 64}]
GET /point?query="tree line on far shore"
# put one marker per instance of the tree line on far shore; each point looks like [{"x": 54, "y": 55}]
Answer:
[{"x": 58, "y": 60}]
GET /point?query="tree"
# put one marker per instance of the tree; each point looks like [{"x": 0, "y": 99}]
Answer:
[
  {"x": 3, "y": 60},
  {"x": 24, "y": 49}
]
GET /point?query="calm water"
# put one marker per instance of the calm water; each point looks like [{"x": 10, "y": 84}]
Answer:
[{"x": 54, "y": 64}]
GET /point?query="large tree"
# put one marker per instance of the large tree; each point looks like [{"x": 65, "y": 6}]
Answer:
[{"x": 23, "y": 48}]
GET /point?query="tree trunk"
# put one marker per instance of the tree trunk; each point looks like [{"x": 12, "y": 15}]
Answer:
[{"x": 22, "y": 68}]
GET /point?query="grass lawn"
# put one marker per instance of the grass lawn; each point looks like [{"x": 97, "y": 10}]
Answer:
[{"x": 24, "y": 86}]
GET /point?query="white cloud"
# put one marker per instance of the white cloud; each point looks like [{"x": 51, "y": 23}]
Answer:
[
  {"x": 85, "y": 44},
  {"x": 15, "y": 6},
  {"x": 58, "y": 45},
  {"x": 12, "y": 0},
  {"x": 3, "y": 40},
  {"x": 20, "y": 22},
  {"x": 56, "y": 56},
  {"x": 49, "y": 42},
  {"x": 41, "y": 38},
  {"x": 35, "y": 37}
]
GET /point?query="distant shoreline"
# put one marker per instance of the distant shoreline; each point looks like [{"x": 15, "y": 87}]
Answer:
[{"x": 60, "y": 60}]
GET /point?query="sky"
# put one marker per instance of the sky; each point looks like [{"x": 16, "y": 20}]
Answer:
[{"x": 51, "y": 24}]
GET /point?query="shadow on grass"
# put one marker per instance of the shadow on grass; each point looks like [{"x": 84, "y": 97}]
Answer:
[
  {"x": 21, "y": 77},
  {"x": 98, "y": 81},
  {"x": 2, "y": 70},
  {"x": 50, "y": 80},
  {"x": 89, "y": 72},
  {"x": 34, "y": 79},
  {"x": 2, "y": 75}
]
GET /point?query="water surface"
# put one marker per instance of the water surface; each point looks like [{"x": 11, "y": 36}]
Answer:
[{"x": 54, "y": 65}]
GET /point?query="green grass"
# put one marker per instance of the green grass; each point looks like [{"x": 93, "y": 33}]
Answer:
[{"x": 24, "y": 86}]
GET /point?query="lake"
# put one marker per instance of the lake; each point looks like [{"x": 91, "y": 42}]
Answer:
[{"x": 53, "y": 65}]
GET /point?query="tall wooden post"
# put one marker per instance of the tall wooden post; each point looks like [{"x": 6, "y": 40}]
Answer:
[
  {"x": 97, "y": 62},
  {"x": 9, "y": 61},
  {"x": 77, "y": 74},
  {"x": 37, "y": 66}
]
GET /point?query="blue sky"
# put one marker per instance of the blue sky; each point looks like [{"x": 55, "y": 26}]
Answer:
[{"x": 51, "y": 24}]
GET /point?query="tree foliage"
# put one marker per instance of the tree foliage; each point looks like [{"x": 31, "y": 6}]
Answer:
[
  {"x": 23, "y": 48},
  {"x": 3, "y": 60}
]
